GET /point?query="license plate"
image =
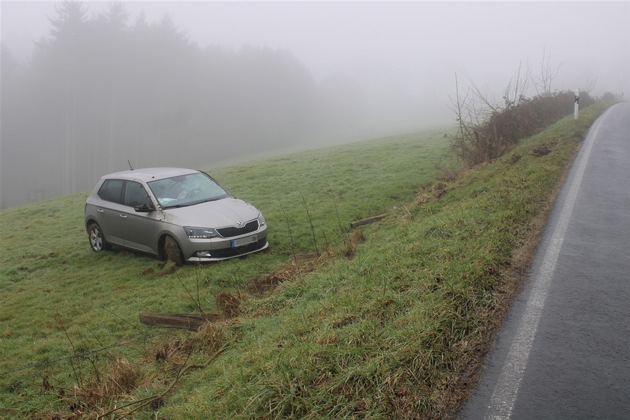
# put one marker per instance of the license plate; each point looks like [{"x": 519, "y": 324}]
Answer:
[{"x": 244, "y": 241}]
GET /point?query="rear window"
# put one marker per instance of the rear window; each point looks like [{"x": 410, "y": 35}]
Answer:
[{"x": 111, "y": 190}]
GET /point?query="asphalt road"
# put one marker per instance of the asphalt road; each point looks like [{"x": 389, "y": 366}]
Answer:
[{"x": 564, "y": 350}]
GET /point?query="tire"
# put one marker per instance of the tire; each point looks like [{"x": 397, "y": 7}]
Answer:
[
  {"x": 172, "y": 251},
  {"x": 96, "y": 238}
]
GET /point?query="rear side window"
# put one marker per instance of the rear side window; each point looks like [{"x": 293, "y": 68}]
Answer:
[{"x": 111, "y": 190}]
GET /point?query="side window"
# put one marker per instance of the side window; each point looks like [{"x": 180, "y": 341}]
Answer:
[
  {"x": 111, "y": 190},
  {"x": 135, "y": 194}
]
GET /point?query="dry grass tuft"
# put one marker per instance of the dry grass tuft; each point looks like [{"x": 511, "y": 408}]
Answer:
[
  {"x": 228, "y": 304},
  {"x": 209, "y": 338},
  {"x": 357, "y": 237},
  {"x": 542, "y": 150},
  {"x": 120, "y": 380}
]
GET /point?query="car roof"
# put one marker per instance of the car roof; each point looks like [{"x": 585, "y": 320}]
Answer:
[{"x": 149, "y": 174}]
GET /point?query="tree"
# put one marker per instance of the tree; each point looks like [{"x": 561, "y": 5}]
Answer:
[
  {"x": 70, "y": 21},
  {"x": 68, "y": 45},
  {"x": 101, "y": 90},
  {"x": 546, "y": 75},
  {"x": 9, "y": 126}
]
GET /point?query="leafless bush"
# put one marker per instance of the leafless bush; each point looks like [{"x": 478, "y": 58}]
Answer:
[
  {"x": 610, "y": 97},
  {"x": 487, "y": 131}
]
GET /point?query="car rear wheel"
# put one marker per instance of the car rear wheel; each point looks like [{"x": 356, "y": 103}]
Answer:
[
  {"x": 172, "y": 251},
  {"x": 97, "y": 239}
]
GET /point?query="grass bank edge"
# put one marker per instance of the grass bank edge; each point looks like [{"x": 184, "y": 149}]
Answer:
[
  {"x": 420, "y": 338},
  {"x": 380, "y": 371}
]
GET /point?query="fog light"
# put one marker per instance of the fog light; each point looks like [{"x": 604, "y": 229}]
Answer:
[{"x": 203, "y": 254}]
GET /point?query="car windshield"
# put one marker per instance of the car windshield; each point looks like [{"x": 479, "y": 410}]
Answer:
[{"x": 186, "y": 190}]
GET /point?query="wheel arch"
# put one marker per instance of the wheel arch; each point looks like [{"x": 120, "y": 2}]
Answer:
[{"x": 89, "y": 220}]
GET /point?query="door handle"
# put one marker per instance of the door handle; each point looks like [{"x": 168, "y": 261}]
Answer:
[
  {"x": 124, "y": 216},
  {"x": 100, "y": 210}
]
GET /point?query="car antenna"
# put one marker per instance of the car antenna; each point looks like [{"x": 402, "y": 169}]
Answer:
[{"x": 130, "y": 167}]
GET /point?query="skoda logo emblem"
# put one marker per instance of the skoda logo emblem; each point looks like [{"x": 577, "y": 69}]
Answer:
[{"x": 239, "y": 223}]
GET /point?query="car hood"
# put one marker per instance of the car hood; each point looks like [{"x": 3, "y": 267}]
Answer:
[{"x": 215, "y": 214}]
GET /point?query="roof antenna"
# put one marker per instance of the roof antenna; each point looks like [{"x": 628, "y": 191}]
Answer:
[{"x": 130, "y": 167}]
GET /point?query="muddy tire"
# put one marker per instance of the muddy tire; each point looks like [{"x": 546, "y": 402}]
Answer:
[{"x": 172, "y": 251}]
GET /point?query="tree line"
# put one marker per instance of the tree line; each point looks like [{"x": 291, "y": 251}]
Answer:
[{"x": 100, "y": 90}]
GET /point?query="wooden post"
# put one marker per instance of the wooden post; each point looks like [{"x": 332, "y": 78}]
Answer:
[
  {"x": 185, "y": 321},
  {"x": 368, "y": 220}
]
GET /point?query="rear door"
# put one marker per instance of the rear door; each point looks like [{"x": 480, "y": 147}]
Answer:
[{"x": 108, "y": 209}]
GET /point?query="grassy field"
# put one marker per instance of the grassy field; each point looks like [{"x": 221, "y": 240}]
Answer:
[{"x": 386, "y": 320}]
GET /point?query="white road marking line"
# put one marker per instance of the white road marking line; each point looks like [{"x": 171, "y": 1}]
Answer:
[{"x": 506, "y": 389}]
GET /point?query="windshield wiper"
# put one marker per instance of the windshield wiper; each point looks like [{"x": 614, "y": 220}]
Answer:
[
  {"x": 207, "y": 200},
  {"x": 177, "y": 206}
]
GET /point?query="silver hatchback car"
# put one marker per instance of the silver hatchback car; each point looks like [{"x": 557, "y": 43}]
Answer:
[{"x": 174, "y": 213}]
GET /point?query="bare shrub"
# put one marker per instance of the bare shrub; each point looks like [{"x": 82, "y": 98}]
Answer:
[
  {"x": 119, "y": 379},
  {"x": 487, "y": 131},
  {"x": 446, "y": 173},
  {"x": 609, "y": 97},
  {"x": 123, "y": 377}
]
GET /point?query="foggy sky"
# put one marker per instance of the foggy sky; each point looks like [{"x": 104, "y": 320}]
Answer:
[{"x": 404, "y": 55}]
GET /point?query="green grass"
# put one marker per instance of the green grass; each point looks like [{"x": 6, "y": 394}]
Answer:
[{"x": 378, "y": 328}]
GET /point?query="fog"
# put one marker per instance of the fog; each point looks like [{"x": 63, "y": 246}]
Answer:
[{"x": 87, "y": 87}]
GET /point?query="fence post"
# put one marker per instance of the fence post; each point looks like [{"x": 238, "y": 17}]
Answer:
[{"x": 576, "y": 106}]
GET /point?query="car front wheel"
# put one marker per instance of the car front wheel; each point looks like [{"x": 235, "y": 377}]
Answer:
[
  {"x": 172, "y": 251},
  {"x": 96, "y": 237}
]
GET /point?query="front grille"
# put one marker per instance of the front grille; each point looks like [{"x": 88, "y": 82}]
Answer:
[{"x": 229, "y": 232}]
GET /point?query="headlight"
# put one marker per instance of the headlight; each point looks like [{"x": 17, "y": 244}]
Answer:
[
  {"x": 200, "y": 232},
  {"x": 261, "y": 220}
]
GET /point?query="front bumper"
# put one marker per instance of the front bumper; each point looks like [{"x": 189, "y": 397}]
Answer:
[{"x": 207, "y": 255}]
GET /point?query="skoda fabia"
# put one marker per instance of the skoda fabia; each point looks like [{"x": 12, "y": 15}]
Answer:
[{"x": 179, "y": 214}]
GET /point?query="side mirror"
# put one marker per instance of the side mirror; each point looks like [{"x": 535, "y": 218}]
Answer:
[{"x": 143, "y": 208}]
